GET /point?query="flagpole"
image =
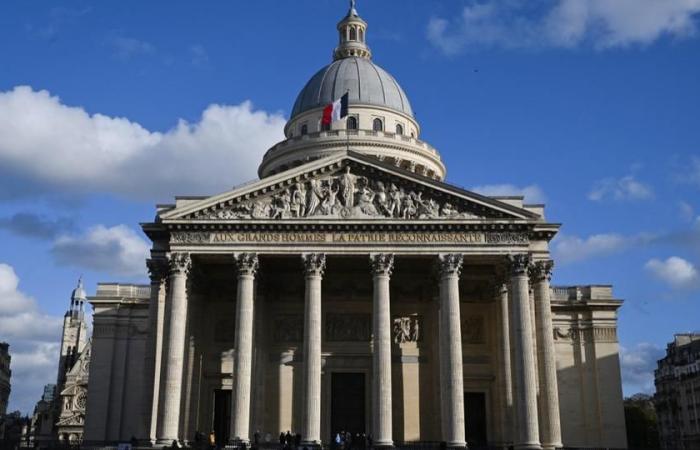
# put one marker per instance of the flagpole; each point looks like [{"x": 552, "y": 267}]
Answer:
[{"x": 347, "y": 131}]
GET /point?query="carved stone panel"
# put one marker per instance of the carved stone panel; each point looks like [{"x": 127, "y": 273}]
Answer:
[
  {"x": 288, "y": 328},
  {"x": 406, "y": 329},
  {"x": 348, "y": 327},
  {"x": 346, "y": 193},
  {"x": 473, "y": 330}
]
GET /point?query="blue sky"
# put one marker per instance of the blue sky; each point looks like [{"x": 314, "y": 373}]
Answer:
[{"x": 587, "y": 105}]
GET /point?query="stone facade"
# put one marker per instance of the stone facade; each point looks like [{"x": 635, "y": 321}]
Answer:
[
  {"x": 677, "y": 398},
  {"x": 352, "y": 289},
  {"x": 5, "y": 376}
]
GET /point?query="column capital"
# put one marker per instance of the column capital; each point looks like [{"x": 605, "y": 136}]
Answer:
[
  {"x": 541, "y": 270},
  {"x": 518, "y": 263},
  {"x": 180, "y": 263},
  {"x": 314, "y": 263},
  {"x": 382, "y": 263},
  {"x": 450, "y": 264},
  {"x": 246, "y": 263},
  {"x": 157, "y": 269}
]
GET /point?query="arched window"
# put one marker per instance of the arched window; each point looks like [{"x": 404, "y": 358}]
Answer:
[
  {"x": 304, "y": 129},
  {"x": 352, "y": 123},
  {"x": 377, "y": 125},
  {"x": 362, "y": 35},
  {"x": 353, "y": 34},
  {"x": 399, "y": 129}
]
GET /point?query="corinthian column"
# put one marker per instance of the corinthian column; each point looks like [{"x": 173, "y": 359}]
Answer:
[
  {"x": 451, "y": 376},
  {"x": 382, "y": 265},
  {"x": 247, "y": 264},
  {"x": 314, "y": 265},
  {"x": 169, "y": 417},
  {"x": 540, "y": 274},
  {"x": 505, "y": 375},
  {"x": 524, "y": 363},
  {"x": 158, "y": 272}
]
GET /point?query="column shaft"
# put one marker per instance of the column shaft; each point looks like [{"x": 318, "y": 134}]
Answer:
[
  {"x": 158, "y": 272},
  {"x": 314, "y": 265},
  {"x": 549, "y": 392},
  {"x": 506, "y": 384},
  {"x": 524, "y": 364},
  {"x": 243, "y": 358},
  {"x": 451, "y": 375},
  {"x": 381, "y": 386},
  {"x": 169, "y": 417}
]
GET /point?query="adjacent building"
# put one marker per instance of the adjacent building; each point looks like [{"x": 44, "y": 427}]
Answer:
[
  {"x": 5, "y": 376},
  {"x": 352, "y": 288},
  {"x": 677, "y": 398},
  {"x": 60, "y": 414}
]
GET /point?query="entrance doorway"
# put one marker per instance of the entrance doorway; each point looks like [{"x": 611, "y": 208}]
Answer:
[
  {"x": 347, "y": 403},
  {"x": 222, "y": 416},
  {"x": 475, "y": 414}
]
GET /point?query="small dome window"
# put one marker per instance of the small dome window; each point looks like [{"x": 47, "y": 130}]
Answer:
[
  {"x": 304, "y": 130},
  {"x": 399, "y": 129},
  {"x": 377, "y": 125},
  {"x": 362, "y": 35},
  {"x": 352, "y": 123},
  {"x": 353, "y": 34}
]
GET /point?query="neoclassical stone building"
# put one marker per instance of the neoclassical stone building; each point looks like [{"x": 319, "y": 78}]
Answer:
[{"x": 351, "y": 288}]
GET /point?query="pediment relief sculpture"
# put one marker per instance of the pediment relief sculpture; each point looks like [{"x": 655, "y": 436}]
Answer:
[{"x": 346, "y": 194}]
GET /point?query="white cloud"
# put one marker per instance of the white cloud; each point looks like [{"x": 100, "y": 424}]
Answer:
[
  {"x": 126, "y": 47},
  {"x": 675, "y": 271},
  {"x": 53, "y": 147},
  {"x": 34, "y": 339},
  {"x": 532, "y": 193},
  {"x": 117, "y": 250},
  {"x": 625, "y": 188},
  {"x": 568, "y": 249},
  {"x": 638, "y": 364},
  {"x": 564, "y": 23},
  {"x": 690, "y": 172},
  {"x": 686, "y": 210}
]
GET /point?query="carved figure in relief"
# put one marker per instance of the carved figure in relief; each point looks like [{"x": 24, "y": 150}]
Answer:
[
  {"x": 366, "y": 202},
  {"x": 382, "y": 199},
  {"x": 408, "y": 206},
  {"x": 394, "y": 201},
  {"x": 406, "y": 329},
  {"x": 329, "y": 205},
  {"x": 282, "y": 205},
  {"x": 315, "y": 194},
  {"x": 348, "y": 182},
  {"x": 298, "y": 207}
]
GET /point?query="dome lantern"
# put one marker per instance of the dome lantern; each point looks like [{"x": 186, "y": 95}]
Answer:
[{"x": 352, "y": 31}]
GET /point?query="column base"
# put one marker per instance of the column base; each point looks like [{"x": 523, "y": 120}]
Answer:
[
  {"x": 165, "y": 442},
  {"x": 454, "y": 445},
  {"x": 527, "y": 447},
  {"x": 310, "y": 445},
  {"x": 383, "y": 444}
]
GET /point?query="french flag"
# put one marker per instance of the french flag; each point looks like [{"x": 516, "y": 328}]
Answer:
[{"x": 335, "y": 111}]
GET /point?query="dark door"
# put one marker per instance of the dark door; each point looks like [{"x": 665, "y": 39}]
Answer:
[
  {"x": 222, "y": 416},
  {"x": 475, "y": 415},
  {"x": 347, "y": 403}
]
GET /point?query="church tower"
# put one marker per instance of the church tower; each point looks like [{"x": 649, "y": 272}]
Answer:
[{"x": 74, "y": 333}]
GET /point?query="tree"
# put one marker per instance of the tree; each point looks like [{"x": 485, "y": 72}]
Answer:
[{"x": 640, "y": 420}]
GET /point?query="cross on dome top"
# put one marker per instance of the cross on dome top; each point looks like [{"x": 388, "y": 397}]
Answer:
[{"x": 352, "y": 32}]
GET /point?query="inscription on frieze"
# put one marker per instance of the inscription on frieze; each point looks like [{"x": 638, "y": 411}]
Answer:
[
  {"x": 349, "y": 238},
  {"x": 348, "y": 327}
]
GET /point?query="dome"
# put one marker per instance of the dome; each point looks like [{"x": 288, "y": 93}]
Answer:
[
  {"x": 366, "y": 83},
  {"x": 79, "y": 292}
]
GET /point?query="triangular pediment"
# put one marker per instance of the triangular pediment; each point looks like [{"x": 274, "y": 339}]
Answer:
[{"x": 349, "y": 186}]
